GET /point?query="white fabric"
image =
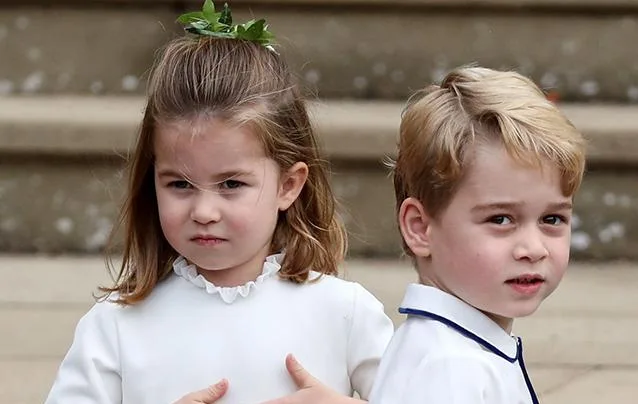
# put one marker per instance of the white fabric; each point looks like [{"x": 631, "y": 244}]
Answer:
[
  {"x": 183, "y": 338},
  {"x": 228, "y": 294},
  {"x": 431, "y": 362}
]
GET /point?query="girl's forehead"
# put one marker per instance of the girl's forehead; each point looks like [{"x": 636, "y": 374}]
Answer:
[{"x": 208, "y": 138}]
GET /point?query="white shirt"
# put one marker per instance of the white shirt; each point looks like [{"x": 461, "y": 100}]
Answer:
[
  {"x": 189, "y": 334},
  {"x": 448, "y": 352}
]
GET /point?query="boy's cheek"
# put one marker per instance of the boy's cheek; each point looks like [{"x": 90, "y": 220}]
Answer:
[{"x": 563, "y": 248}]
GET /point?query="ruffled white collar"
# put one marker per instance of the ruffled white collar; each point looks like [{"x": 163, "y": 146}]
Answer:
[{"x": 272, "y": 265}]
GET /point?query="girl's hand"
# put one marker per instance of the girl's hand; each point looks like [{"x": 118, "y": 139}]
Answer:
[
  {"x": 207, "y": 396},
  {"x": 311, "y": 390}
]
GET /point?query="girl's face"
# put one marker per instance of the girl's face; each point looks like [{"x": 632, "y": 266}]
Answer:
[{"x": 219, "y": 196}]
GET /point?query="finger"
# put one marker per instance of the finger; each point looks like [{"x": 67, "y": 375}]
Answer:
[
  {"x": 295, "y": 398},
  {"x": 210, "y": 394},
  {"x": 282, "y": 400},
  {"x": 217, "y": 391},
  {"x": 300, "y": 376}
]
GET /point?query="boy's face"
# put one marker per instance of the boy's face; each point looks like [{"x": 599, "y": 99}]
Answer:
[{"x": 502, "y": 245}]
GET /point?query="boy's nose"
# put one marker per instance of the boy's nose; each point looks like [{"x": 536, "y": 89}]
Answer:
[
  {"x": 206, "y": 208},
  {"x": 531, "y": 246}
]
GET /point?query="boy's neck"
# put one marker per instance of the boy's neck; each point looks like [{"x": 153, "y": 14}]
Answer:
[{"x": 504, "y": 322}]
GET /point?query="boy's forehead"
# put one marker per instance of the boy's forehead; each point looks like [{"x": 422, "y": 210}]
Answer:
[
  {"x": 493, "y": 173},
  {"x": 495, "y": 155}
]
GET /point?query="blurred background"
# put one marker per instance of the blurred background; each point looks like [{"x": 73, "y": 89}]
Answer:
[{"x": 72, "y": 79}]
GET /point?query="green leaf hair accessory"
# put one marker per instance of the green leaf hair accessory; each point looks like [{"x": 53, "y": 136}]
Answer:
[{"x": 208, "y": 22}]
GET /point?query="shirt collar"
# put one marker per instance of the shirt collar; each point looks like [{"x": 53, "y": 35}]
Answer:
[
  {"x": 189, "y": 271},
  {"x": 433, "y": 303}
]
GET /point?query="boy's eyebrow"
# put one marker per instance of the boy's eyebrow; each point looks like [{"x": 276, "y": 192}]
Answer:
[
  {"x": 497, "y": 206},
  {"x": 514, "y": 205},
  {"x": 561, "y": 206}
]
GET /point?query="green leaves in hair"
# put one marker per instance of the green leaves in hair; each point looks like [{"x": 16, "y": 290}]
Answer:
[{"x": 209, "y": 22}]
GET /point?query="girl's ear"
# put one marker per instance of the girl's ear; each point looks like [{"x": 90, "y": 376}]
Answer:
[
  {"x": 414, "y": 224},
  {"x": 292, "y": 182}
]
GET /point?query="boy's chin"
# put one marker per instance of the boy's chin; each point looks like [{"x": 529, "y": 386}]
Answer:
[
  {"x": 522, "y": 312},
  {"x": 512, "y": 313}
]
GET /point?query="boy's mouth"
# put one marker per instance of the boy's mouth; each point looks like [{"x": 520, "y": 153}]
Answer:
[
  {"x": 526, "y": 285},
  {"x": 526, "y": 280}
]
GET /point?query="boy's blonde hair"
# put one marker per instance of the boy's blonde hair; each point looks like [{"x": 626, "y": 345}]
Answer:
[
  {"x": 241, "y": 83},
  {"x": 441, "y": 125}
]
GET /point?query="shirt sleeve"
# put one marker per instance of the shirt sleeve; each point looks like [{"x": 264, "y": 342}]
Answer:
[
  {"x": 370, "y": 332},
  {"x": 90, "y": 371},
  {"x": 454, "y": 380}
]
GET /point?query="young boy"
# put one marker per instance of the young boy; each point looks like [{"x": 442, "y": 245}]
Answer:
[{"x": 484, "y": 180}]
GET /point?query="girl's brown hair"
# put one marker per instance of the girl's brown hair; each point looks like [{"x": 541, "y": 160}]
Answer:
[{"x": 244, "y": 83}]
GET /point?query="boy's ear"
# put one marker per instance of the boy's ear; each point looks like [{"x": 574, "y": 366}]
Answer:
[
  {"x": 292, "y": 182},
  {"x": 414, "y": 224}
]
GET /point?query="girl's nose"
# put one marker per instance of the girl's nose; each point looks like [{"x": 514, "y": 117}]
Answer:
[{"x": 206, "y": 208}]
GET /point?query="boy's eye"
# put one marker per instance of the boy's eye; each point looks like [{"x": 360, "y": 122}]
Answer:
[
  {"x": 180, "y": 184},
  {"x": 554, "y": 220},
  {"x": 231, "y": 184},
  {"x": 500, "y": 219}
]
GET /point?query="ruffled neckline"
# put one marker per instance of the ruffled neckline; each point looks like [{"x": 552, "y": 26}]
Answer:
[{"x": 272, "y": 265}]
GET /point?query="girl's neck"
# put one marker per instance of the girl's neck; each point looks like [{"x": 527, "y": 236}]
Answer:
[{"x": 237, "y": 275}]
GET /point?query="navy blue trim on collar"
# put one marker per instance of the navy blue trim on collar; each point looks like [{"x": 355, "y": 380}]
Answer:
[
  {"x": 528, "y": 382},
  {"x": 463, "y": 331},
  {"x": 467, "y": 333}
]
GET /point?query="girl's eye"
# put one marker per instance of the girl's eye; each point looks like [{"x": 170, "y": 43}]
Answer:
[
  {"x": 231, "y": 184},
  {"x": 181, "y": 184},
  {"x": 500, "y": 219},
  {"x": 554, "y": 220}
]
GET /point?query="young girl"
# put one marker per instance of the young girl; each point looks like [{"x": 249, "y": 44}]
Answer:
[{"x": 231, "y": 241}]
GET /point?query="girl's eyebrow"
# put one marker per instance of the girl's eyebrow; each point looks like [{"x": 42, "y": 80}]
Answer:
[
  {"x": 169, "y": 172},
  {"x": 224, "y": 175}
]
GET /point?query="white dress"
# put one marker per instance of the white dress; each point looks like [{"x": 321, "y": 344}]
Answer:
[{"x": 189, "y": 334}]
